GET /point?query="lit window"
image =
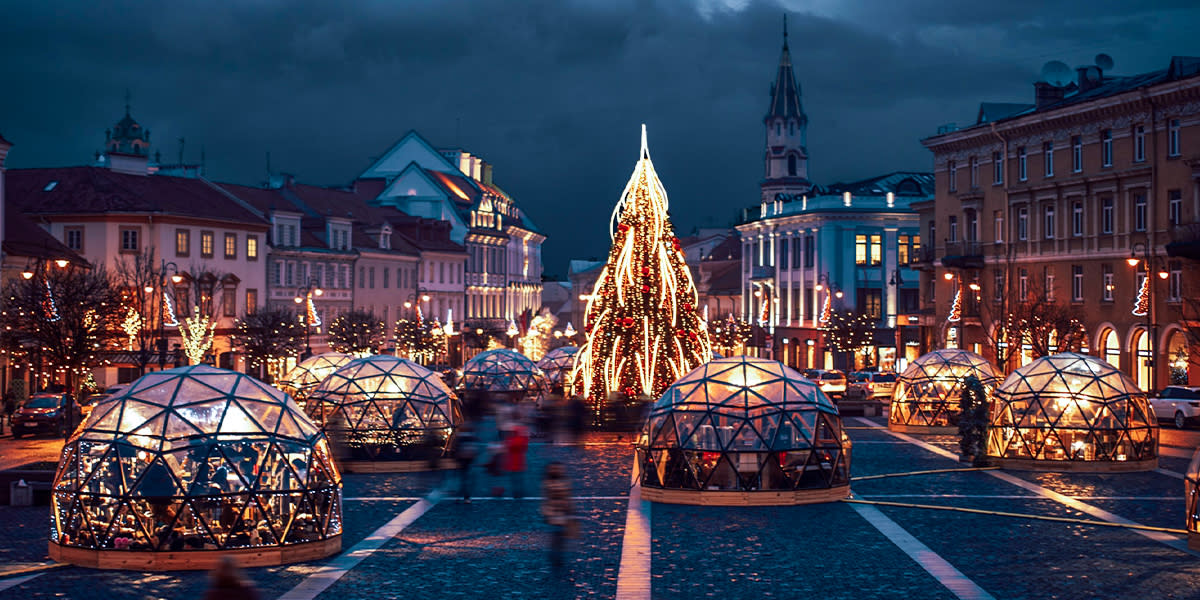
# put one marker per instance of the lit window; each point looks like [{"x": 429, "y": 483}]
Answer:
[
  {"x": 230, "y": 245},
  {"x": 206, "y": 244},
  {"x": 252, "y": 247},
  {"x": 183, "y": 242},
  {"x": 1107, "y": 282}
]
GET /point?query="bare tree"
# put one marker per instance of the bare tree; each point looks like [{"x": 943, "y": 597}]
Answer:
[{"x": 138, "y": 280}]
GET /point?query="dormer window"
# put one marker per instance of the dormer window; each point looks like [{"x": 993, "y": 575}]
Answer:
[{"x": 385, "y": 241}]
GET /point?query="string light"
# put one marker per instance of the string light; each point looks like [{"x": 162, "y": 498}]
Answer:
[
  {"x": 1141, "y": 306},
  {"x": 641, "y": 322},
  {"x": 132, "y": 325},
  {"x": 169, "y": 319},
  {"x": 956, "y": 307},
  {"x": 197, "y": 333}
]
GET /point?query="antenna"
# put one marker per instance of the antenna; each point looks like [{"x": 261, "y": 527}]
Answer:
[
  {"x": 1104, "y": 61},
  {"x": 1056, "y": 73}
]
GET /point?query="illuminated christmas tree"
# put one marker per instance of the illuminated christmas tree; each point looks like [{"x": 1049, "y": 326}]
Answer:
[
  {"x": 1141, "y": 307},
  {"x": 643, "y": 330},
  {"x": 956, "y": 307}
]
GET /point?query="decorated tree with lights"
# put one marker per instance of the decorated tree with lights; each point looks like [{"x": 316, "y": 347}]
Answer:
[
  {"x": 416, "y": 340},
  {"x": 538, "y": 335},
  {"x": 267, "y": 335},
  {"x": 729, "y": 333},
  {"x": 641, "y": 324},
  {"x": 139, "y": 279},
  {"x": 848, "y": 332},
  {"x": 357, "y": 332}
]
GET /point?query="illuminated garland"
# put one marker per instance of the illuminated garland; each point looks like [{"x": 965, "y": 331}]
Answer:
[
  {"x": 826, "y": 309},
  {"x": 847, "y": 332},
  {"x": 357, "y": 332},
  {"x": 641, "y": 322},
  {"x": 169, "y": 312},
  {"x": 956, "y": 307},
  {"x": 132, "y": 325},
  {"x": 314, "y": 320},
  {"x": 536, "y": 340},
  {"x": 417, "y": 340},
  {"x": 729, "y": 333},
  {"x": 50, "y": 306},
  {"x": 1141, "y": 306},
  {"x": 197, "y": 333}
]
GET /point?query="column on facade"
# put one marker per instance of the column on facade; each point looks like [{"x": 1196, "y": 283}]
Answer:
[
  {"x": 747, "y": 262},
  {"x": 787, "y": 265},
  {"x": 816, "y": 278},
  {"x": 773, "y": 297},
  {"x": 890, "y": 269},
  {"x": 799, "y": 268}
]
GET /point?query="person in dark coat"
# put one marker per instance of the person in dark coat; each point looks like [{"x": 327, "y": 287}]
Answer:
[
  {"x": 557, "y": 510},
  {"x": 227, "y": 583}
]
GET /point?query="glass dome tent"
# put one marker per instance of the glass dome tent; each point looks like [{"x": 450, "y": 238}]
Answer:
[
  {"x": 1192, "y": 500},
  {"x": 504, "y": 372},
  {"x": 928, "y": 391},
  {"x": 557, "y": 364},
  {"x": 386, "y": 414},
  {"x": 306, "y": 376},
  {"x": 192, "y": 464},
  {"x": 744, "y": 430},
  {"x": 1072, "y": 412}
]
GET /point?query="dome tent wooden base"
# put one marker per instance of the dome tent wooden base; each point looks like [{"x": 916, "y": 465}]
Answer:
[
  {"x": 192, "y": 560},
  {"x": 741, "y": 498},
  {"x": 394, "y": 466},
  {"x": 1194, "y": 540},
  {"x": 924, "y": 429},
  {"x": 1074, "y": 466}
]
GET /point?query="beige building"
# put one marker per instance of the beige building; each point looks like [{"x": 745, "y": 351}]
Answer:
[{"x": 1041, "y": 208}]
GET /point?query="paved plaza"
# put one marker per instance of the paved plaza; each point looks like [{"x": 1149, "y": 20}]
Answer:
[{"x": 405, "y": 539}]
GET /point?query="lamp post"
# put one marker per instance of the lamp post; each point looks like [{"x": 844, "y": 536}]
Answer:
[
  {"x": 1150, "y": 260},
  {"x": 161, "y": 343},
  {"x": 304, "y": 297},
  {"x": 897, "y": 281}
]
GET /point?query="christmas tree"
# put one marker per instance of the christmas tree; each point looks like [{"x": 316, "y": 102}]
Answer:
[
  {"x": 956, "y": 307},
  {"x": 1141, "y": 306},
  {"x": 642, "y": 328}
]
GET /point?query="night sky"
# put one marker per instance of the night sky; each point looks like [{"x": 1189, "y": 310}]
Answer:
[{"x": 551, "y": 92}]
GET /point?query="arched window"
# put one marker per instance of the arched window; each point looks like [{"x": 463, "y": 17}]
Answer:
[
  {"x": 791, "y": 165},
  {"x": 1142, "y": 370},
  {"x": 1110, "y": 348},
  {"x": 1177, "y": 358}
]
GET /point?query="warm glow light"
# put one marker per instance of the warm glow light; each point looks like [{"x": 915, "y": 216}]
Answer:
[
  {"x": 27, "y": 274},
  {"x": 1132, "y": 261},
  {"x": 148, "y": 289},
  {"x": 838, "y": 294},
  {"x": 758, "y": 293},
  {"x": 176, "y": 279},
  {"x": 62, "y": 263},
  {"x": 318, "y": 292},
  {"x": 297, "y": 299},
  {"x": 948, "y": 276},
  {"x": 408, "y": 305},
  {"x": 820, "y": 287},
  {"x": 1163, "y": 274},
  {"x": 425, "y": 298},
  {"x": 974, "y": 287}
]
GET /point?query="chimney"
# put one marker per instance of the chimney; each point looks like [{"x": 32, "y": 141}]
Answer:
[
  {"x": 487, "y": 173},
  {"x": 1046, "y": 94},
  {"x": 1089, "y": 77},
  {"x": 131, "y": 164}
]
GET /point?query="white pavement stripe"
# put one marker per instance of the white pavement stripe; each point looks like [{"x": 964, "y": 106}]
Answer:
[
  {"x": 327, "y": 575},
  {"x": 633, "y": 576},
  {"x": 1019, "y": 497},
  {"x": 958, "y": 584},
  {"x": 1170, "y": 473},
  {"x": 1168, "y": 539},
  {"x": 477, "y": 498},
  {"x": 15, "y": 581}
]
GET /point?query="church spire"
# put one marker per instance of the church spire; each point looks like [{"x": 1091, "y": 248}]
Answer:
[{"x": 785, "y": 93}]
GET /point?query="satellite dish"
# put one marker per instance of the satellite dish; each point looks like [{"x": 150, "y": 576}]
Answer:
[
  {"x": 1092, "y": 74},
  {"x": 1056, "y": 73},
  {"x": 1104, "y": 61}
]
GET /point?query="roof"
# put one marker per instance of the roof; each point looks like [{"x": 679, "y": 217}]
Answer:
[
  {"x": 23, "y": 238},
  {"x": 97, "y": 190},
  {"x": 729, "y": 249},
  {"x": 995, "y": 111},
  {"x": 725, "y": 279},
  {"x": 582, "y": 266},
  {"x": 899, "y": 183},
  {"x": 785, "y": 92},
  {"x": 4, "y": 141}
]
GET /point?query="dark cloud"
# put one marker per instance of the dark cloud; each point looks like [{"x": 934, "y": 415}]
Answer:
[{"x": 550, "y": 91}]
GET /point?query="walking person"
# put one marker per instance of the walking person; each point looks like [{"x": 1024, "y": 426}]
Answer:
[
  {"x": 466, "y": 449},
  {"x": 515, "y": 447},
  {"x": 558, "y": 511}
]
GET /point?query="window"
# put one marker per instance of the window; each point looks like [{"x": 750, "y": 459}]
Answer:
[
  {"x": 902, "y": 250},
  {"x": 1106, "y": 276},
  {"x": 974, "y": 172},
  {"x": 318, "y": 274},
  {"x": 1174, "y": 206},
  {"x": 1139, "y": 212},
  {"x": 952, "y": 167},
  {"x": 1022, "y": 223},
  {"x": 1048, "y": 279},
  {"x": 252, "y": 247},
  {"x": 371, "y": 277},
  {"x": 1022, "y": 165},
  {"x": 971, "y": 231},
  {"x": 1139, "y": 143},
  {"x": 73, "y": 238},
  {"x": 953, "y": 229},
  {"x": 347, "y": 277},
  {"x": 916, "y": 247},
  {"x": 1173, "y": 137},
  {"x": 1106, "y": 148},
  {"x": 251, "y": 301},
  {"x": 231, "y": 245},
  {"x": 206, "y": 244},
  {"x": 809, "y": 243},
  {"x": 1076, "y": 283},
  {"x": 362, "y": 277},
  {"x": 997, "y": 285},
  {"x": 1023, "y": 283},
  {"x": 277, "y": 273},
  {"x": 791, "y": 165},
  {"x": 386, "y": 274},
  {"x": 998, "y": 226},
  {"x": 1048, "y": 223},
  {"x": 1076, "y": 154},
  {"x": 290, "y": 272},
  {"x": 997, "y": 168},
  {"x": 442, "y": 271},
  {"x": 1048, "y": 156},
  {"x": 1175, "y": 282},
  {"x": 1077, "y": 219},
  {"x": 183, "y": 242},
  {"x": 860, "y": 249},
  {"x": 129, "y": 239},
  {"x": 229, "y": 301},
  {"x": 1106, "y": 214},
  {"x": 870, "y": 302}
]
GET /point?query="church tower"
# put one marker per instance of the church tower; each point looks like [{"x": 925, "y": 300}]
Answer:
[
  {"x": 126, "y": 146},
  {"x": 786, "y": 158}
]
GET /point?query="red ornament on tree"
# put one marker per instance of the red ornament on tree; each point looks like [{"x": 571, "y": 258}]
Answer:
[{"x": 645, "y": 289}]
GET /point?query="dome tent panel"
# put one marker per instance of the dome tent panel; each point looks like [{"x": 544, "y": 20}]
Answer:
[
  {"x": 310, "y": 372},
  {"x": 927, "y": 393}
]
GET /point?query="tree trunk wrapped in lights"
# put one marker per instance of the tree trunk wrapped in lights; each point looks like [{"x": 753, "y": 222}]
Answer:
[{"x": 643, "y": 330}]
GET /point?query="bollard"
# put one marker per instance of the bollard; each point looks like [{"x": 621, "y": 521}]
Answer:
[{"x": 20, "y": 494}]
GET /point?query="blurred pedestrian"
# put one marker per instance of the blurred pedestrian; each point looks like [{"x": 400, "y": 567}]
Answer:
[
  {"x": 557, "y": 510},
  {"x": 577, "y": 414},
  {"x": 227, "y": 583},
  {"x": 466, "y": 449},
  {"x": 515, "y": 447}
]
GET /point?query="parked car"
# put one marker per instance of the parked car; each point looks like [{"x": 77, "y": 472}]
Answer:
[
  {"x": 41, "y": 413},
  {"x": 1177, "y": 403},
  {"x": 88, "y": 402},
  {"x": 872, "y": 384},
  {"x": 833, "y": 383}
]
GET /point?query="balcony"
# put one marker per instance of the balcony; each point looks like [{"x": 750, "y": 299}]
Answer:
[
  {"x": 762, "y": 273},
  {"x": 1185, "y": 241},
  {"x": 923, "y": 259},
  {"x": 963, "y": 255}
]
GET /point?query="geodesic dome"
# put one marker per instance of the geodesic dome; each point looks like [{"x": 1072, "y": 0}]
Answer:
[
  {"x": 740, "y": 426},
  {"x": 191, "y": 460},
  {"x": 385, "y": 409},
  {"x": 557, "y": 364},
  {"x": 309, "y": 373},
  {"x": 1072, "y": 412},
  {"x": 503, "y": 371},
  {"x": 1192, "y": 501},
  {"x": 928, "y": 391}
]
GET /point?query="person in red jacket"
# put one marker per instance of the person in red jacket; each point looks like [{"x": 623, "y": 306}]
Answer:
[{"x": 515, "y": 446}]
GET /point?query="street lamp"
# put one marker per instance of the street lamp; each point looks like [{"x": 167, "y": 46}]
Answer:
[
  {"x": 176, "y": 278},
  {"x": 1151, "y": 314},
  {"x": 304, "y": 296}
]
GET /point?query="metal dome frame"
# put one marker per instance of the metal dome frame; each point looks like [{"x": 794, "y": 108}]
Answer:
[
  {"x": 386, "y": 414},
  {"x": 192, "y": 464},
  {"x": 557, "y": 364},
  {"x": 303, "y": 378},
  {"x": 1192, "y": 501},
  {"x": 743, "y": 431},
  {"x": 503, "y": 371},
  {"x": 927, "y": 393},
  {"x": 1072, "y": 412}
]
